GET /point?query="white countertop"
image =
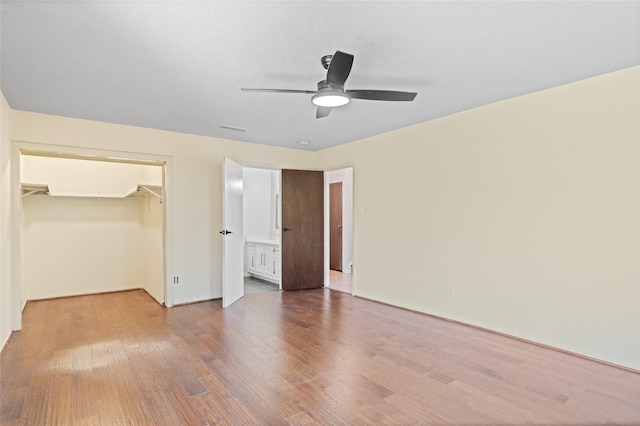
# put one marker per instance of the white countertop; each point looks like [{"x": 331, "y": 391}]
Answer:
[{"x": 263, "y": 241}]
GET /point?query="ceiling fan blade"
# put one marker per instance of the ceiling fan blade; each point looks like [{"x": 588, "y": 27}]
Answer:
[
  {"x": 309, "y": 92},
  {"x": 339, "y": 68},
  {"x": 381, "y": 95},
  {"x": 322, "y": 112}
]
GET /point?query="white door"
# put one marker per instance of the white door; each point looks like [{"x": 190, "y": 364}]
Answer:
[{"x": 232, "y": 241}]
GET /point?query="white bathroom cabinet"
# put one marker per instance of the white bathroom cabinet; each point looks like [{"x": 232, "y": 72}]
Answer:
[{"x": 263, "y": 259}]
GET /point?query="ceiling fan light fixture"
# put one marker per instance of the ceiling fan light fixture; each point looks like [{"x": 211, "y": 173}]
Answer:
[
  {"x": 330, "y": 99},
  {"x": 331, "y": 93}
]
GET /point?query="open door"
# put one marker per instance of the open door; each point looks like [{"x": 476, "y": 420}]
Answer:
[
  {"x": 302, "y": 229},
  {"x": 232, "y": 242}
]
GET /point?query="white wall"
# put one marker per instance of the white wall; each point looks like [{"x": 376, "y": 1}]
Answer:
[
  {"x": 276, "y": 208},
  {"x": 522, "y": 216},
  {"x": 5, "y": 223},
  {"x": 346, "y": 177},
  {"x": 153, "y": 247},
  {"x": 258, "y": 195}
]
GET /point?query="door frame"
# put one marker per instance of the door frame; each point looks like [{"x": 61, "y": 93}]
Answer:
[
  {"x": 327, "y": 273},
  {"x": 18, "y": 301}
]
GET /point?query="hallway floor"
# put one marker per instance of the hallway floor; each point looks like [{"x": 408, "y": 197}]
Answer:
[{"x": 340, "y": 281}]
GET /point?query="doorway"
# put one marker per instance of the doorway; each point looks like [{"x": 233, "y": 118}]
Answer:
[
  {"x": 292, "y": 255},
  {"x": 261, "y": 229},
  {"x": 304, "y": 237},
  {"x": 339, "y": 188}
]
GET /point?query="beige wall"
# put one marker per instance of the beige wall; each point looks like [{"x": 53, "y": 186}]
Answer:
[
  {"x": 522, "y": 216},
  {"x": 5, "y": 223},
  {"x": 194, "y": 174},
  {"x": 82, "y": 245}
]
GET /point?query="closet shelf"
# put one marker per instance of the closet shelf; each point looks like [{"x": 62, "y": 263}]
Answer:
[{"x": 138, "y": 191}]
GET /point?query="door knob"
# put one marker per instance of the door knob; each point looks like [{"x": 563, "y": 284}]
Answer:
[
  {"x": 285, "y": 229},
  {"x": 225, "y": 232}
]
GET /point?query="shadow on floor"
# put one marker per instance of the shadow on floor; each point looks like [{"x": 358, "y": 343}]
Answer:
[{"x": 255, "y": 285}]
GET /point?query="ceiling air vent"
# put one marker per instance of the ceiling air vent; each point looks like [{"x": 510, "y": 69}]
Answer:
[{"x": 235, "y": 129}]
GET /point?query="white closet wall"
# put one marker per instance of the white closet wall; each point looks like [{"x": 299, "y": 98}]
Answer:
[
  {"x": 86, "y": 236},
  {"x": 153, "y": 247}
]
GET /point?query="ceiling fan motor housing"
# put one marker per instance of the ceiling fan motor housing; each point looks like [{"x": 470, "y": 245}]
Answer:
[
  {"x": 330, "y": 95},
  {"x": 324, "y": 85},
  {"x": 326, "y": 60}
]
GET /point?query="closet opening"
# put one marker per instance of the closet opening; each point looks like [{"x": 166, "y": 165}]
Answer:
[{"x": 91, "y": 224}]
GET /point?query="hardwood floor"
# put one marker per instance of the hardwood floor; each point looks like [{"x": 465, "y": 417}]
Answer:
[
  {"x": 314, "y": 356},
  {"x": 340, "y": 281}
]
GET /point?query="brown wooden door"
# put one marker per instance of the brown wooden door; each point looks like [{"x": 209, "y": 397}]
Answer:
[
  {"x": 302, "y": 229},
  {"x": 335, "y": 226}
]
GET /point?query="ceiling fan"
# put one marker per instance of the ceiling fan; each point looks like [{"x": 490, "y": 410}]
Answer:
[{"x": 331, "y": 92}]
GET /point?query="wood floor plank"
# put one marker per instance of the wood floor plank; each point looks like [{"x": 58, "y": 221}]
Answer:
[
  {"x": 87, "y": 398},
  {"x": 306, "y": 357},
  {"x": 223, "y": 403},
  {"x": 12, "y": 404},
  {"x": 60, "y": 401},
  {"x": 35, "y": 411}
]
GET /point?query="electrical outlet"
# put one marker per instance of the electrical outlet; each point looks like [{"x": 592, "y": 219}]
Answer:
[{"x": 176, "y": 280}]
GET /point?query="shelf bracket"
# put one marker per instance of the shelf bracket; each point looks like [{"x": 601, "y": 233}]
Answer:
[
  {"x": 150, "y": 191},
  {"x": 32, "y": 189}
]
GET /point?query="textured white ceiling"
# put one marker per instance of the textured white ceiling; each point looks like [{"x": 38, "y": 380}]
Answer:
[{"x": 179, "y": 65}]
